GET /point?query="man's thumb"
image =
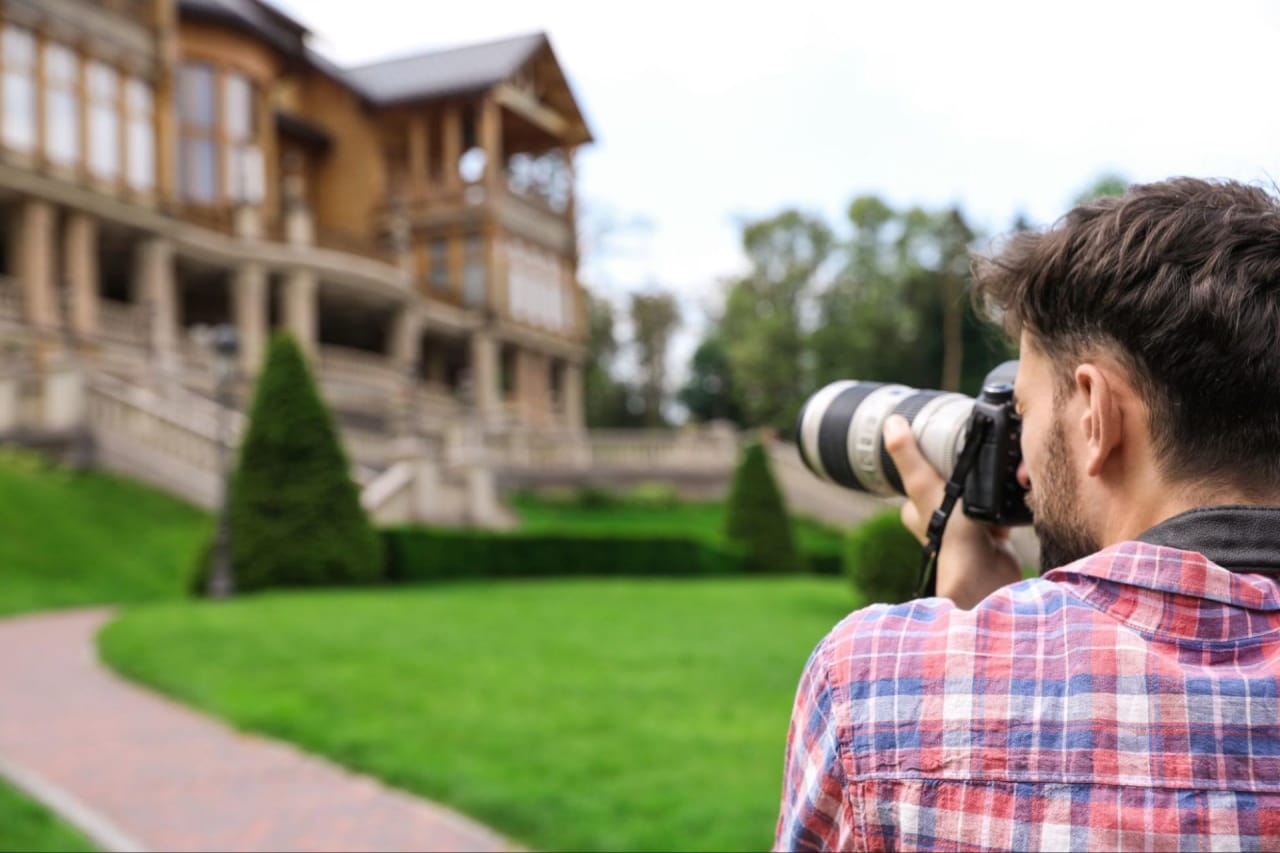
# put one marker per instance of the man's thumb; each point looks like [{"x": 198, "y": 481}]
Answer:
[{"x": 913, "y": 469}]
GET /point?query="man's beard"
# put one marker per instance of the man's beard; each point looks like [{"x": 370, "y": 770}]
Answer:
[{"x": 1058, "y": 521}]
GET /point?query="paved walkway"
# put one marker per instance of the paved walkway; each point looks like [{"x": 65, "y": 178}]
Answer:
[{"x": 139, "y": 772}]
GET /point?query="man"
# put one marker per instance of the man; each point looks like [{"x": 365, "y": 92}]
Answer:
[{"x": 1128, "y": 698}]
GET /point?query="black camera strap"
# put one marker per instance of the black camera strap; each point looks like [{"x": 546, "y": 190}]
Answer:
[{"x": 978, "y": 427}]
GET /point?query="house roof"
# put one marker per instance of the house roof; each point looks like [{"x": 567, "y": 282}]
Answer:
[
  {"x": 442, "y": 73},
  {"x": 252, "y": 16}
]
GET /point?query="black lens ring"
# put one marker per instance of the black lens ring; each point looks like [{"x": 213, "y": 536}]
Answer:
[
  {"x": 908, "y": 407},
  {"x": 833, "y": 434}
]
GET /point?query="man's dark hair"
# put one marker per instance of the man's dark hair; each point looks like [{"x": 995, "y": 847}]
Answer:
[{"x": 1181, "y": 281}]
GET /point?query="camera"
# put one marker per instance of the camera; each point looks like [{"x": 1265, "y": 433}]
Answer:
[{"x": 840, "y": 436}]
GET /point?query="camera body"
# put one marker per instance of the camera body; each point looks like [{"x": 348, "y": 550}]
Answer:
[{"x": 840, "y": 436}]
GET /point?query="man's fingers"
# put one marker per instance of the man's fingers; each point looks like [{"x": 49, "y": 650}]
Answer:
[{"x": 920, "y": 481}]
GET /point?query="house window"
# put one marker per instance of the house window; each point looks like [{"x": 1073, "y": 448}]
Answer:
[
  {"x": 18, "y": 54},
  {"x": 104, "y": 121},
  {"x": 440, "y": 264},
  {"x": 473, "y": 273},
  {"x": 198, "y": 152},
  {"x": 244, "y": 171},
  {"x": 61, "y": 105},
  {"x": 141, "y": 130}
]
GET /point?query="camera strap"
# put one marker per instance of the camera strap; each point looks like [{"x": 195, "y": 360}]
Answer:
[{"x": 978, "y": 427}]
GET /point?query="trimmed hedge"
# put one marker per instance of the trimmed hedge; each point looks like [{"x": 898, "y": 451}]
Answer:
[
  {"x": 757, "y": 517},
  {"x": 417, "y": 554},
  {"x": 882, "y": 559},
  {"x": 295, "y": 514}
]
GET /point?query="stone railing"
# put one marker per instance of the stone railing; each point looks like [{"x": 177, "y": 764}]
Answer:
[
  {"x": 658, "y": 451},
  {"x": 354, "y": 365},
  {"x": 10, "y": 300},
  {"x": 121, "y": 322}
]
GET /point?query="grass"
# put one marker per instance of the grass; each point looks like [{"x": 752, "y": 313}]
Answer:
[
  {"x": 24, "y": 825},
  {"x": 701, "y": 520},
  {"x": 569, "y": 714},
  {"x": 75, "y": 538}
]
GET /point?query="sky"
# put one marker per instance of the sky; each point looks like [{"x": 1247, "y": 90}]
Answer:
[{"x": 706, "y": 113}]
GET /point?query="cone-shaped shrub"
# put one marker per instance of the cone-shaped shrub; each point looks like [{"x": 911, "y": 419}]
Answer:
[
  {"x": 295, "y": 513},
  {"x": 882, "y": 559},
  {"x": 757, "y": 516}
]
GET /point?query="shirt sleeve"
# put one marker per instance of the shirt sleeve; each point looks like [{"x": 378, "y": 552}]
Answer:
[{"x": 813, "y": 783}]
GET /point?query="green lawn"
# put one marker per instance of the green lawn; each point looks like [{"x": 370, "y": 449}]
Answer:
[
  {"x": 27, "y": 826},
  {"x": 570, "y": 714},
  {"x": 702, "y": 520},
  {"x": 71, "y": 538}
]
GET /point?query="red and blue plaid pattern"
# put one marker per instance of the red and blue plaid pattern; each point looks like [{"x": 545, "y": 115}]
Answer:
[{"x": 1128, "y": 701}]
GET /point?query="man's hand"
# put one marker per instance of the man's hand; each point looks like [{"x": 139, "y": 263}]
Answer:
[{"x": 976, "y": 559}]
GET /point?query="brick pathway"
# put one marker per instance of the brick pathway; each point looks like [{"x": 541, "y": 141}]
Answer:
[{"x": 137, "y": 771}]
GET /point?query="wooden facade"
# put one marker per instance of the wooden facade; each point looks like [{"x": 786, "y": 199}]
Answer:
[{"x": 405, "y": 213}]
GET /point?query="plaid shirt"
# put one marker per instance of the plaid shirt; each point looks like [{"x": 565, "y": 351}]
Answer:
[{"x": 1127, "y": 701}]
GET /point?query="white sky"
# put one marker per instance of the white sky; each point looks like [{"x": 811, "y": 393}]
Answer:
[{"x": 707, "y": 111}]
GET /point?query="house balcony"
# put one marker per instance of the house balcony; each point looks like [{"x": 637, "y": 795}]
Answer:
[{"x": 469, "y": 206}]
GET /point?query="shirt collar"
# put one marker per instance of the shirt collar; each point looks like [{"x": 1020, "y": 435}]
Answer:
[{"x": 1212, "y": 553}]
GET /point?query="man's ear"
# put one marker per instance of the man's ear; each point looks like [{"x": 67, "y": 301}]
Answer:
[{"x": 1102, "y": 423}]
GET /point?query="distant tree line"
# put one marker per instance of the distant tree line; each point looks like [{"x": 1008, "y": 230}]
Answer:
[{"x": 884, "y": 298}]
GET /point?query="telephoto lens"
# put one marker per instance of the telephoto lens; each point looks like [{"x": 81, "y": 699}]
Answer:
[{"x": 840, "y": 430}]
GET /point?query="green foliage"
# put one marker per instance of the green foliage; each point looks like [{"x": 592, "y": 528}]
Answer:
[
  {"x": 296, "y": 518},
  {"x": 762, "y": 324},
  {"x": 1107, "y": 184},
  {"x": 655, "y": 317},
  {"x": 645, "y": 714},
  {"x": 607, "y": 401},
  {"x": 633, "y": 515},
  {"x": 883, "y": 560},
  {"x": 710, "y": 393},
  {"x": 72, "y": 538},
  {"x": 757, "y": 516},
  {"x": 25, "y": 825},
  {"x": 417, "y": 554}
]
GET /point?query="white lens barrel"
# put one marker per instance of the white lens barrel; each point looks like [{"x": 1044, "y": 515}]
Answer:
[{"x": 939, "y": 430}]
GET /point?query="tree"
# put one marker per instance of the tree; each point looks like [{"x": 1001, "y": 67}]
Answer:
[
  {"x": 654, "y": 319},
  {"x": 710, "y": 393},
  {"x": 757, "y": 517},
  {"x": 295, "y": 514},
  {"x": 1106, "y": 184},
  {"x": 608, "y": 402},
  {"x": 764, "y": 334}
]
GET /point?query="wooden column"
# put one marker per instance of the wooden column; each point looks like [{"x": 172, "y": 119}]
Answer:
[
  {"x": 490, "y": 138},
  {"x": 418, "y": 153},
  {"x": 451, "y": 145}
]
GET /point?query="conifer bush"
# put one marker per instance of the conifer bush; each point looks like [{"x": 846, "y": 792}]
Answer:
[
  {"x": 757, "y": 518},
  {"x": 295, "y": 514},
  {"x": 882, "y": 559}
]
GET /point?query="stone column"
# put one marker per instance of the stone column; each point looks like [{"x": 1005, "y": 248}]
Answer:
[
  {"x": 80, "y": 247},
  {"x": 406, "y": 331},
  {"x": 485, "y": 391},
  {"x": 155, "y": 288},
  {"x": 249, "y": 309},
  {"x": 300, "y": 304},
  {"x": 32, "y": 249},
  {"x": 571, "y": 393}
]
